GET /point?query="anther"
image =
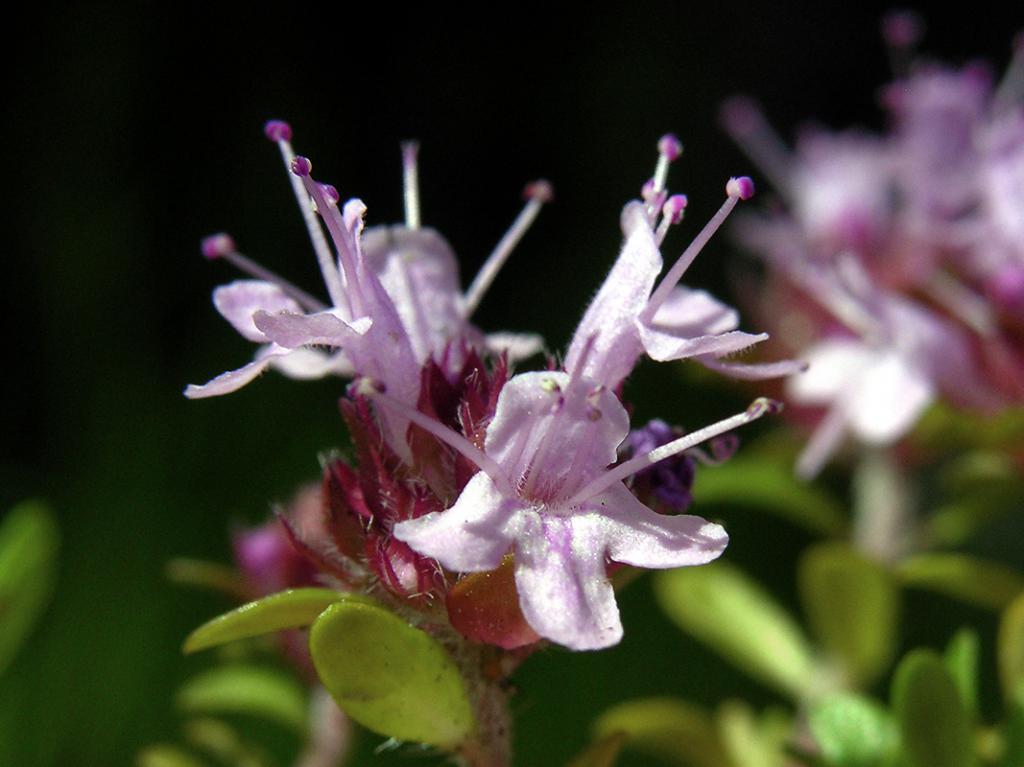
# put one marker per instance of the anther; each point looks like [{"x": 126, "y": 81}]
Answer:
[
  {"x": 539, "y": 190},
  {"x": 217, "y": 245},
  {"x": 277, "y": 130},
  {"x": 301, "y": 166},
  {"x": 593, "y": 414},
  {"x": 331, "y": 193},
  {"x": 742, "y": 187},
  {"x": 670, "y": 147},
  {"x": 763, "y": 406},
  {"x": 674, "y": 208},
  {"x": 365, "y": 386},
  {"x": 550, "y": 385}
]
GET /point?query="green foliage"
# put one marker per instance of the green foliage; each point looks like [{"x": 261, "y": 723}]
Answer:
[
  {"x": 389, "y": 676},
  {"x": 976, "y": 488},
  {"x": 29, "y": 542},
  {"x": 162, "y": 755},
  {"x": 934, "y": 725},
  {"x": 961, "y": 659},
  {"x": 246, "y": 689},
  {"x": 1010, "y": 650},
  {"x": 601, "y": 753},
  {"x": 767, "y": 483},
  {"x": 852, "y": 607},
  {"x": 752, "y": 741},
  {"x": 289, "y": 609},
  {"x": 669, "y": 729},
  {"x": 854, "y": 731},
  {"x": 728, "y": 611},
  {"x": 985, "y": 584}
]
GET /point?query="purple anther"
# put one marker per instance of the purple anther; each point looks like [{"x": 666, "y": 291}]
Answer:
[
  {"x": 539, "y": 190},
  {"x": 331, "y": 193},
  {"x": 301, "y": 166},
  {"x": 742, "y": 187},
  {"x": 901, "y": 29},
  {"x": 670, "y": 146},
  {"x": 217, "y": 245},
  {"x": 764, "y": 406},
  {"x": 674, "y": 207},
  {"x": 277, "y": 130}
]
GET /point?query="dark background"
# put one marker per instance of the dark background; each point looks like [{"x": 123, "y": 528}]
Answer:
[{"x": 134, "y": 129}]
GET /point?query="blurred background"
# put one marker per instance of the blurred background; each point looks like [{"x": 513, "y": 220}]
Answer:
[{"x": 135, "y": 129}]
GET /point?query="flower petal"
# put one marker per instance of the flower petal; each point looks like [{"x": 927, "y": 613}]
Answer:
[
  {"x": 754, "y": 371},
  {"x": 240, "y": 300},
  {"x": 308, "y": 364},
  {"x": 832, "y": 365},
  {"x": 888, "y": 399},
  {"x": 233, "y": 380},
  {"x": 563, "y": 588},
  {"x": 635, "y": 535},
  {"x": 695, "y": 313},
  {"x": 471, "y": 536},
  {"x": 623, "y": 295},
  {"x": 293, "y": 330},
  {"x": 518, "y": 346},
  {"x": 663, "y": 345}
]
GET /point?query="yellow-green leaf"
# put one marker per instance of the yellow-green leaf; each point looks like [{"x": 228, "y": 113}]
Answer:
[
  {"x": 161, "y": 755},
  {"x": 669, "y": 729},
  {"x": 933, "y": 722},
  {"x": 289, "y": 609},
  {"x": 242, "y": 689},
  {"x": 1011, "y": 648},
  {"x": 853, "y": 731},
  {"x": 986, "y": 584},
  {"x": 28, "y": 572},
  {"x": 389, "y": 676},
  {"x": 852, "y": 607},
  {"x": 962, "y": 661},
  {"x": 722, "y": 607},
  {"x": 603, "y": 752}
]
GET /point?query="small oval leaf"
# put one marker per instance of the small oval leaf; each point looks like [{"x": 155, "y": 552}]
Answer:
[
  {"x": 722, "y": 607},
  {"x": 243, "y": 689},
  {"x": 289, "y": 609},
  {"x": 853, "y": 731},
  {"x": 669, "y": 729},
  {"x": 933, "y": 723},
  {"x": 28, "y": 572},
  {"x": 1011, "y": 648},
  {"x": 975, "y": 581},
  {"x": 852, "y": 607},
  {"x": 389, "y": 676},
  {"x": 601, "y": 753},
  {"x": 962, "y": 661}
]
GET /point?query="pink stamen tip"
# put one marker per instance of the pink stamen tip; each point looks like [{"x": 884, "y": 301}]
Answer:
[
  {"x": 901, "y": 29},
  {"x": 301, "y": 166},
  {"x": 217, "y": 245},
  {"x": 764, "y": 406},
  {"x": 670, "y": 146},
  {"x": 277, "y": 130},
  {"x": 539, "y": 190},
  {"x": 742, "y": 187},
  {"x": 331, "y": 193},
  {"x": 674, "y": 207}
]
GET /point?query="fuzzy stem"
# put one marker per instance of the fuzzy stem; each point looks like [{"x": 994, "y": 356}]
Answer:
[{"x": 883, "y": 506}]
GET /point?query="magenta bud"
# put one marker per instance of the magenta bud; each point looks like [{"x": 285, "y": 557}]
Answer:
[
  {"x": 674, "y": 207},
  {"x": 301, "y": 166},
  {"x": 670, "y": 146},
  {"x": 277, "y": 130},
  {"x": 742, "y": 187},
  {"x": 217, "y": 245},
  {"x": 331, "y": 193},
  {"x": 539, "y": 190}
]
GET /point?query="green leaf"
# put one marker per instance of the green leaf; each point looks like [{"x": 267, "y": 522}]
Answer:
[
  {"x": 1013, "y": 732},
  {"x": 722, "y": 607},
  {"x": 208, "y": 575},
  {"x": 975, "y": 581},
  {"x": 289, "y": 609},
  {"x": 603, "y": 752},
  {"x": 770, "y": 485},
  {"x": 1010, "y": 648},
  {"x": 250, "y": 690},
  {"x": 751, "y": 741},
  {"x": 976, "y": 489},
  {"x": 389, "y": 676},
  {"x": 933, "y": 722},
  {"x": 947, "y": 428},
  {"x": 29, "y": 541},
  {"x": 962, "y": 661},
  {"x": 223, "y": 742},
  {"x": 669, "y": 729},
  {"x": 853, "y": 731},
  {"x": 161, "y": 755},
  {"x": 852, "y": 607}
]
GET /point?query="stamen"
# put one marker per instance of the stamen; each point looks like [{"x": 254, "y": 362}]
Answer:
[
  {"x": 537, "y": 193},
  {"x": 758, "y": 408},
  {"x": 742, "y": 119},
  {"x": 901, "y": 31},
  {"x": 326, "y": 206},
  {"x": 375, "y": 391},
  {"x": 736, "y": 189},
  {"x": 222, "y": 245},
  {"x": 669, "y": 150},
  {"x": 1010, "y": 91},
  {"x": 411, "y": 184},
  {"x": 280, "y": 133},
  {"x": 671, "y": 214}
]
